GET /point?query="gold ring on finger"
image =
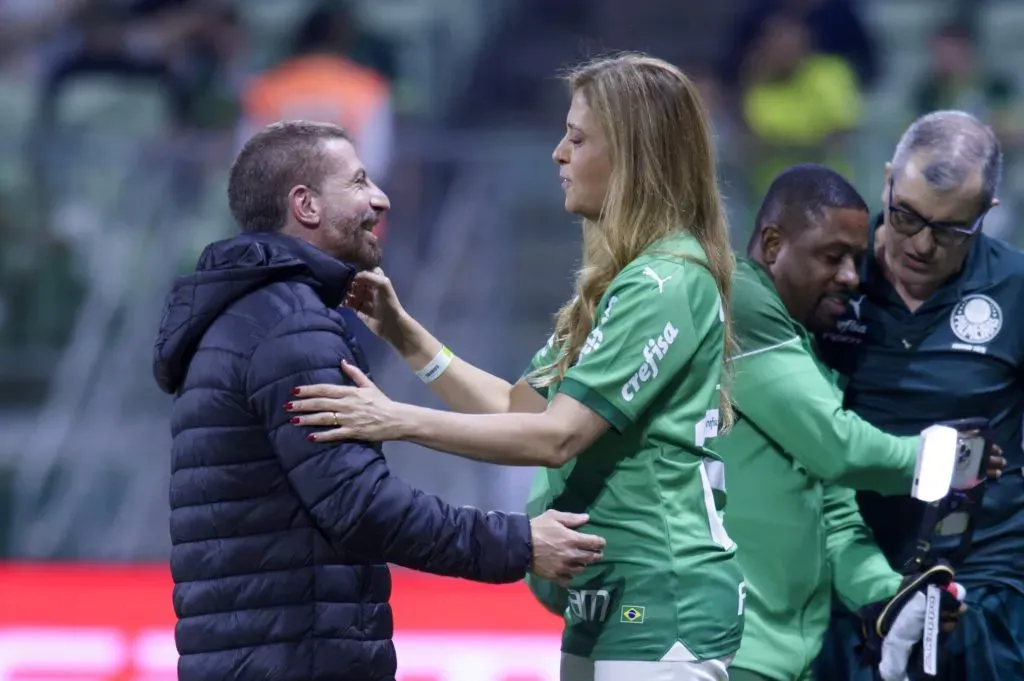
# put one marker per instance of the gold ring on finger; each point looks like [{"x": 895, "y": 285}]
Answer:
[{"x": 337, "y": 421}]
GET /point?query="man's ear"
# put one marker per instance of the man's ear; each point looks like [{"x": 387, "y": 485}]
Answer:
[
  {"x": 304, "y": 205},
  {"x": 771, "y": 243}
]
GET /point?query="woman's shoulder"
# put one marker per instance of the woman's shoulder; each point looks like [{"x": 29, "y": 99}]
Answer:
[{"x": 679, "y": 254}]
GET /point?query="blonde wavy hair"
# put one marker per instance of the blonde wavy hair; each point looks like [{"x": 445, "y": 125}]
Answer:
[{"x": 663, "y": 181}]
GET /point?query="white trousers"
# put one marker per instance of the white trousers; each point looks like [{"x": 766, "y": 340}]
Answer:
[{"x": 576, "y": 668}]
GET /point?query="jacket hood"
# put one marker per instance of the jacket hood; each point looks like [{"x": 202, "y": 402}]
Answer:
[{"x": 228, "y": 271}]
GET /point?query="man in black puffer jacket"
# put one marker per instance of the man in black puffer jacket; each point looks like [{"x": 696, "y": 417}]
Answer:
[{"x": 280, "y": 544}]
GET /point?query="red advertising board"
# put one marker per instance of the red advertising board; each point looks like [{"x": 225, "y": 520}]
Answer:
[{"x": 115, "y": 623}]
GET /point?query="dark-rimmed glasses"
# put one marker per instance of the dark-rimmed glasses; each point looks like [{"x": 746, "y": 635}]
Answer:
[{"x": 908, "y": 223}]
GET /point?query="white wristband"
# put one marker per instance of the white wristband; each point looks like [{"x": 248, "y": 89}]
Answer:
[{"x": 437, "y": 366}]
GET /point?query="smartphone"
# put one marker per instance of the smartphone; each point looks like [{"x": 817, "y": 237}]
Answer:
[
  {"x": 971, "y": 461},
  {"x": 969, "y": 470}
]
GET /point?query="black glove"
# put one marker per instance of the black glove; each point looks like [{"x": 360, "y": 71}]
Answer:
[{"x": 892, "y": 629}]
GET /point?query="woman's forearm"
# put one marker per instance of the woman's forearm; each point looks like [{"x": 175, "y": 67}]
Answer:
[
  {"x": 517, "y": 439},
  {"x": 463, "y": 387}
]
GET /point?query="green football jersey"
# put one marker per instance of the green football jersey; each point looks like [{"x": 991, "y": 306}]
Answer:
[{"x": 651, "y": 367}]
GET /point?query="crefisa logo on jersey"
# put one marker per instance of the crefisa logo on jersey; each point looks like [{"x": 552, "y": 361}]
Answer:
[
  {"x": 976, "y": 319},
  {"x": 654, "y": 352}
]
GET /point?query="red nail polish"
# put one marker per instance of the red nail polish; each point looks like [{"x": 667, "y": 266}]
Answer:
[
  {"x": 295, "y": 391},
  {"x": 287, "y": 406},
  {"x": 296, "y": 420},
  {"x": 311, "y": 437}
]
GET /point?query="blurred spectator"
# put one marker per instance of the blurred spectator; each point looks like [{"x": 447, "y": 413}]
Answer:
[
  {"x": 192, "y": 50},
  {"x": 373, "y": 51},
  {"x": 511, "y": 79},
  {"x": 320, "y": 81},
  {"x": 184, "y": 45},
  {"x": 835, "y": 28},
  {"x": 957, "y": 81},
  {"x": 797, "y": 104}
]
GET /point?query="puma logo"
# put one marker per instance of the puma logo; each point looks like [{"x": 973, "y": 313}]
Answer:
[
  {"x": 855, "y": 304},
  {"x": 648, "y": 272}
]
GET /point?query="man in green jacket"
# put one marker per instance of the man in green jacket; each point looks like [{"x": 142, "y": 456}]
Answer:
[{"x": 794, "y": 454}]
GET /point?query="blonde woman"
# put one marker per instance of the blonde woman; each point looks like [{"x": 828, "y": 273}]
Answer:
[{"x": 621, "y": 405}]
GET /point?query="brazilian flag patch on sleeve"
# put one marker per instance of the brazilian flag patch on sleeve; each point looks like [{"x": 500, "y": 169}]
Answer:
[{"x": 632, "y": 614}]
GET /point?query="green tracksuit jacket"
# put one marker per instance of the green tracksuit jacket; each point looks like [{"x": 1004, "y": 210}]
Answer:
[
  {"x": 790, "y": 461},
  {"x": 799, "y": 533}
]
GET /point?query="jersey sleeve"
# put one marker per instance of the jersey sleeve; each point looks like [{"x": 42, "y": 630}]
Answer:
[
  {"x": 644, "y": 337},
  {"x": 774, "y": 370},
  {"x": 541, "y": 358},
  {"x": 860, "y": 572}
]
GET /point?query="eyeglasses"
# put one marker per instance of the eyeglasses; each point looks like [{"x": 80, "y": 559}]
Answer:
[{"x": 908, "y": 223}]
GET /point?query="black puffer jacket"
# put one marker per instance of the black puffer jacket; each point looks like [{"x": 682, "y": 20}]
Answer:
[{"x": 280, "y": 544}]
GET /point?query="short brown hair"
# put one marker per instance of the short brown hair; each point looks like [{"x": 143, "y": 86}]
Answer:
[{"x": 274, "y": 160}]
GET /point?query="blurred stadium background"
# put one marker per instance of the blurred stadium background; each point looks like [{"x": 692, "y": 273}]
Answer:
[{"x": 118, "y": 119}]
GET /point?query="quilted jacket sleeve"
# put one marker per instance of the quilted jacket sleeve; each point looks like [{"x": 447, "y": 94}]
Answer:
[{"x": 347, "y": 486}]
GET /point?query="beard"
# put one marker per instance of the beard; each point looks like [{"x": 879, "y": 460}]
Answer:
[{"x": 354, "y": 242}]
